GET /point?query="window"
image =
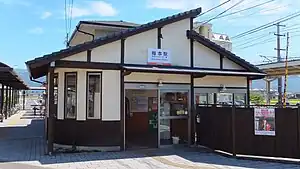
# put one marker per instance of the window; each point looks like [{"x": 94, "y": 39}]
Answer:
[
  {"x": 70, "y": 95},
  {"x": 94, "y": 95}
]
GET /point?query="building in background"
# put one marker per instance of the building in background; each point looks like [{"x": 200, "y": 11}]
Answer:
[{"x": 219, "y": 38}]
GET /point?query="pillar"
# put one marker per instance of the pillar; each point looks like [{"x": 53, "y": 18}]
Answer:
[
  {"x": 2, "y": 100},
  {"x": 23, "y": 100},
  {"x": 6, "y": 101},
  {"x": 9, "y": 101},
  {"x": 248, "y": 92},
  {"x": 51, "y": 110}
]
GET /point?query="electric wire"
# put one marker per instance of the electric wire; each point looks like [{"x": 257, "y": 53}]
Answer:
[
  {"x": 236, "y": 4},
  {"x": 270, "y": 24},
  {"x": 258, "y": 43},
  {"x": 211, "y": 9},
  {"x": 245, "y": 9}
]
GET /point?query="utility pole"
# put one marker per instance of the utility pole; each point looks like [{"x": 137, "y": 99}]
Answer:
[
  {"x": 286, "y": 68},
  {"x": 278, "y": 49}
]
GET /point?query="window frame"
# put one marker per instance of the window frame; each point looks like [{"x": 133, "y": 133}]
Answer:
[
  {"x": 65, "y": 94},
  {"x": 99, "y": 73}
]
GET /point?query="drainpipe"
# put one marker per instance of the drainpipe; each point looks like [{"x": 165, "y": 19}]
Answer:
[
  {"x": 77, "y": 29},
  {"x": 37, "y": 81}
]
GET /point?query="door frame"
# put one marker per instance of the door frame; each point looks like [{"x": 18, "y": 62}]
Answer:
[
  {"x": 173, "y": 88},
  {"x": 159, "y": 88}
]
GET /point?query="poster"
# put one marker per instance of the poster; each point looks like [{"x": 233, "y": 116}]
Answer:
[
  {"x": 139, "y": 104},
  {"x": 264, "y": 121}
]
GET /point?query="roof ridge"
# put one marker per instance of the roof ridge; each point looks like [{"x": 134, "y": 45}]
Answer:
[{"x": 46, "y": 59}]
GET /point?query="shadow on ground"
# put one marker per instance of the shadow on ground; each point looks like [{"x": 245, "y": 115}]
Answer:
[{"x": 27, "y": 143}]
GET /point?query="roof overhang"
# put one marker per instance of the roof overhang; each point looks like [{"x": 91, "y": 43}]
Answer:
[
  {"x": 222, "y": 51},
  {"x": 199, "y": 72},
  {"x": 39, "y": 66},
  {"x": 9, "y": 77}
]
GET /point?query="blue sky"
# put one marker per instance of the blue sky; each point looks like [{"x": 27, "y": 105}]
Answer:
[{"x": 32, "y": 28}]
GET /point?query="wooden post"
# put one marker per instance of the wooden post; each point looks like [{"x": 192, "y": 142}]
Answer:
[
  {"x": 233, "y": 130},
  {"x": 248, "y": 92},
  {"x": 122, "y": 98},
  {"x": 12, "y": 98},
  {"x": 23, "y": 100},
  {"x": 51, "y": 110},
  {"x": 9, "y": 101},
  {"x": 2, "y": 99},
  {"x": 6, "y": 101},
  {"x": 192, "y": 117}
]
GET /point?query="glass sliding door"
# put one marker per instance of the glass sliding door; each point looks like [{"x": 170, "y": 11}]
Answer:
[{"x": 173, "y": 116}]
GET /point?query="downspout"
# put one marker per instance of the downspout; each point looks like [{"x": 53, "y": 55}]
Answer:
[
  {"x": 77, "y": 29},
  {"x": 36, "y": 81},
  {"x": 93, "y": 36}
]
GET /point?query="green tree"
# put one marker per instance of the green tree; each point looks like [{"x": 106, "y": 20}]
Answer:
[{"x": 256, "y": 98}]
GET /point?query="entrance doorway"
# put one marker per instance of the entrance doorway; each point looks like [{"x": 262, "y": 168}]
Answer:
[
  {"x": 156, "y": 115},
  {"x": 174, "y": 111},
  {"x": 141, "y": 108}
]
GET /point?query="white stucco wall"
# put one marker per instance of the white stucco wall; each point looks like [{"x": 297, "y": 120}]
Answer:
[
  {"x": 136, "y": 47},
  {"x": 175, "y": 40},
  {"x": 80, "y": 38},
  {"x": 154, "y": 77},
  {"x": 216, "y": 81},
  {"x": 81, "y": 94},
  {"x": 110, "y": 53},
  {"x": 82, "y": 56},
  {"x": 61, "y": 96},
  {"x": 228, "y": 64},
  {"x": 205, "y": 57},
  {"x": 110, "y": 93}
]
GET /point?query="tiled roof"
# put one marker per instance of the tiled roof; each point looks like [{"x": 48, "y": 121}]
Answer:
[
  {"x": 112, "y": 23},
  {"x": 46, "y": 59},
  {"x": 217, "y": 48}
]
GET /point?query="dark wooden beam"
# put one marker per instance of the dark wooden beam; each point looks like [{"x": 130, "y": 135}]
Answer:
[
  {"x": 23, "y": 100},
  {"x": 9, "y": 101},
  {"x": 6, "y": 101},
  {"x": 248, "y": 92},
  {"x": 191, "y": 120},
  {"x": 221, "y": 61},
  {"x": 122, "y": 97},
  {"x": 51, "y": 111},
  {"x": 2, "y": 99},
  {"x": 88, "y": 55},
  {"x": 86, "y": 65},
  {"x": 159, "y": 36}
]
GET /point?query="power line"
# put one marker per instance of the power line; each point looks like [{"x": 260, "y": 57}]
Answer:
[
  {"x": 258, "y": 43},
  {"x": 253, "y": 41},
  {"x": 262, "y": 27},
  {"x": 260, "y": 11},
  {"x": 215, "y": 7},
  {"x": 236, "y": 4},
  {"x": 242, "y": 10}
]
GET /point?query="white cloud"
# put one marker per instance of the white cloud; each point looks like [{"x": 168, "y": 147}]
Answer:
[
  {"x": 92, "y": 8},
  {"x": 179, "y": 4},
  {"x": 36, "y": 30},
  {"x": 46, "y": 15}
]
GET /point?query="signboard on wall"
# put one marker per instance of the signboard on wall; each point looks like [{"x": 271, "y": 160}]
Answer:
[
  {"x": 159, "y": 57},
  {"x": 264, "y": 121}
]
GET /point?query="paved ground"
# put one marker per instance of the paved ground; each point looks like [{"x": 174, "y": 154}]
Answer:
[{"x": 21, "y": 146}]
